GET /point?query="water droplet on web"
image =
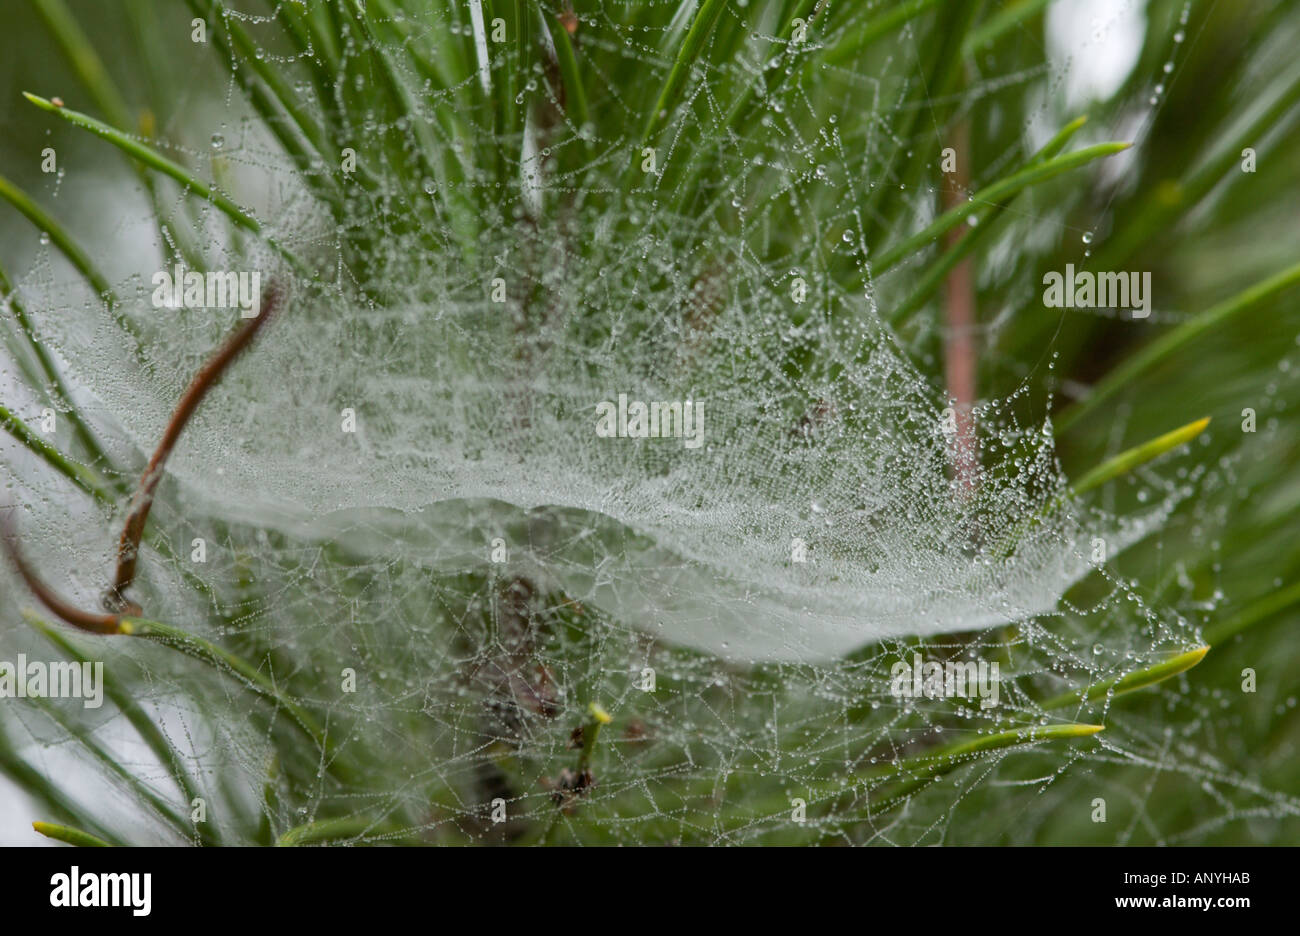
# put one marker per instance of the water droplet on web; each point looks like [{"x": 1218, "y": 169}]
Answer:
[
  {"x": 218, "y": 141},
  {"x": 1087, "y": 237},
  {"x": 1178, "y": 36}
]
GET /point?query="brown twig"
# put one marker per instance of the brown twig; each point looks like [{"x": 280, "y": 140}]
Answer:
[
  {"x": 960, "y": 355},
  {"x": 85, "y": 620},
  {"x": 128, "y": 547}
]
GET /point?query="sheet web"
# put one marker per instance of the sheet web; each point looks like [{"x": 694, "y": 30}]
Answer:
[{"x": 449, "y": 588}]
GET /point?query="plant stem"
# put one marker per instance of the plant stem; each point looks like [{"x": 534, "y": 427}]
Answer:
[
  {"x": 1261, "y": 610},
  {"x": 692, "y": 44},
  {"x": 60, "y": 391},
  {"x": 129, "y": 542},
  {"x": 1126, "y": 461},
  {"x": 1173, "y": 341},
  {"x": 938, "y": 271},
  {"x": 79, "y": 259},
  {"x": 991, "y": 195},
  {"x": 70, "y": 835},
  {"x": 77, "y": 473},
  {"x": 144, "y": 726},
  {"x": 164, "y": 165},
  {"x": 597, "y": 717},
  {"x": 39, "y": 787},
  {"x": 1148, "y": 676}
]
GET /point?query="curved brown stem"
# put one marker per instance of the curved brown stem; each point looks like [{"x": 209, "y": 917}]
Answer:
[
  {"x": 85, "y": 620},
  {"x": 129, "y": 544}
]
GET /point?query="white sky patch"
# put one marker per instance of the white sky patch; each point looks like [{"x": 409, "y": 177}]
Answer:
[{"x": 1098, "y": 42}]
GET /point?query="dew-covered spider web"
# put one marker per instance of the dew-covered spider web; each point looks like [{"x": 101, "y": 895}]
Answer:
[{"x": 412, "y": 528}]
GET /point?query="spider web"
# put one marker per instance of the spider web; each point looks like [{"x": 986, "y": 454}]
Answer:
[{"x": 487, "y": 565}]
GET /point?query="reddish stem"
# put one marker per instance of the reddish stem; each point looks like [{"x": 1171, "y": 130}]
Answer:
[
  {"x": 960, "y": 355},
  {"x": 129, "y": 544},
  {"x": 85, "y": 620}
]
